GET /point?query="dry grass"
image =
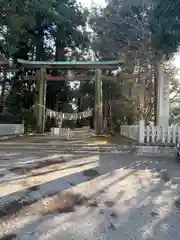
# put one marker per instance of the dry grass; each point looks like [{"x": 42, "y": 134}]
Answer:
[{"x": 64, "y": 202}]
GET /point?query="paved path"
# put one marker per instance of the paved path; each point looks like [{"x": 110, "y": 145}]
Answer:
[{"x": 121, "y": 197}]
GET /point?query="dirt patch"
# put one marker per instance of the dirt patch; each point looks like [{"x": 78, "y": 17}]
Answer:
[
  {"x": 61, "y": 204},
  {"x": 9, "y": 237},
  {"x": 91, "y": 173}
]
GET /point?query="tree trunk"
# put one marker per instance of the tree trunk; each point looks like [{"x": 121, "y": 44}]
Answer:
[
  {"x": 79, "y": 110},
  {"x": 60, "y": 50},
  {"x": 3, "y": 90},
  {"x": 2, "y": 96},
  {"x": 40, "y": 55},
  {"x": 59, "y": 54}
]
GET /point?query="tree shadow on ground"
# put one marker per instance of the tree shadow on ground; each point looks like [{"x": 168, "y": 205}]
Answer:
[
  {"x": 34, "y": 166},
  {"x": 109, "y": 168},
  {"x": 52, "y": 187}
]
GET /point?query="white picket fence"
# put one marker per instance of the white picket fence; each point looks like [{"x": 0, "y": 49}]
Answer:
[
  {"x": 156, "y": 134},
  {"x": 151, "y": 134},
  {"x": 130, "y": 131},
  {"x": 63, "y": 133}
]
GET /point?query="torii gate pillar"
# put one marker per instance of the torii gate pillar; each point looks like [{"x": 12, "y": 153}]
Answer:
[
  {"x": 98, "y": 103},
  {"x": 41, "y": 100}
]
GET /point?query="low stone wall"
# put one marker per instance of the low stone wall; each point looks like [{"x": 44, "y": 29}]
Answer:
[{"x": 11, "y": 129}]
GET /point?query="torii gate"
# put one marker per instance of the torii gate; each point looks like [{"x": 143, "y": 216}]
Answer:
[{"x": 41, "y": 77}]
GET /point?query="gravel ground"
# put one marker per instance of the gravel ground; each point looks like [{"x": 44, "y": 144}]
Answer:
[{"x": 57, "y": 196}]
